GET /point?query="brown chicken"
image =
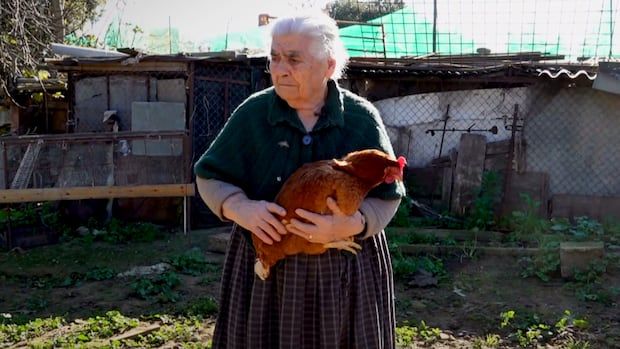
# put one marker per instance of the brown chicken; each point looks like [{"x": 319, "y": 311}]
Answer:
[{"x": 347, "y": 181}]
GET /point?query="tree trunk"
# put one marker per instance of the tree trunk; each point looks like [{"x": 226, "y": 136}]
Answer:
[{"x": 58, "y": 26}]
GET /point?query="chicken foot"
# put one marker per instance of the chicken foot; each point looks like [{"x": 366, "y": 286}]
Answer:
[{"x": 347, "y": 245}]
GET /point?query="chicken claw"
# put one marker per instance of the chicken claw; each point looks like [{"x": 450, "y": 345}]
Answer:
[
  {"x": 347, "y": 245},
  {"x": 261, "y": 270}
]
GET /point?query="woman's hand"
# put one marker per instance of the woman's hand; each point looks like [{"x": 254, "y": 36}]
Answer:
[
  {"x": 255, "y": 216},
  {"x": 326, "y": 228}
]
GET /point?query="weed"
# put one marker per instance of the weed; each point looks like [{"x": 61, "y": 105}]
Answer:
[
  {"x": 159, "y": 288},
  {"x": 404, "y": 266},
  {"x": 545, "y": 263},
  {"x": 121, "y": 232},
  {"x": 530, "y": 330},
  {"x": 205, "y": 306},
  {"x": 490, "y": 341},
  {"x": 15, "y": 333},
  {"x": 572, "y": 343},
  {"x": 26, "y": 215},
  {"x": 470, "y": 249},
  {"x": 588, "y": 285},
  {"x": 413, "y": 237},
  {"x": 113, "y": 322},
  {"x": 528, "y": 223},
  {"x": 100, "y": 273},
  {"x": 36, "y": 303},
  {"x": 406, "y": 335},
  {"x": 209, "y": 279},
  {"x": 191, "y": 263},
  {"x": 482, "y": 214}
]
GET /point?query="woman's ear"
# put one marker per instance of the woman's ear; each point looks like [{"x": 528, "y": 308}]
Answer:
[{"x": 331, "y": 67}]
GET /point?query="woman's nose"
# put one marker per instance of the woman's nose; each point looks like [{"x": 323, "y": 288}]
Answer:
[{"x": 278, "y": 68}]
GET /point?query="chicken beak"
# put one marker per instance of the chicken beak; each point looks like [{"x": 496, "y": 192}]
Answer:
[{"x": 393, "y": 174}]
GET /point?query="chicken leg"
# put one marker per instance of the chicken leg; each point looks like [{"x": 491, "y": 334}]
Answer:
[{"x": 347, "y": 245}]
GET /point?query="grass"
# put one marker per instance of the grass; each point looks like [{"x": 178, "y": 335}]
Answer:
[{"x": 103, "y": 332}]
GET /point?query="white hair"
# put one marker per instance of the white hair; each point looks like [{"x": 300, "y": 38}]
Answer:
[{"x": 323, "y": 30}]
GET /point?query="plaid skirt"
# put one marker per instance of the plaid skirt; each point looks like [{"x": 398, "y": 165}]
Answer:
[{"x": 332, "y": 300}]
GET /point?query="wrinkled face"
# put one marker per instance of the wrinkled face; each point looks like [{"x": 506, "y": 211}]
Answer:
[{"x": 298, "y": 76}]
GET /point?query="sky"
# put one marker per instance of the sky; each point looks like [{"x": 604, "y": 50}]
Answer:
[
  {"x": 196, "y": 20},
  {"x": 570, "y": 25}
]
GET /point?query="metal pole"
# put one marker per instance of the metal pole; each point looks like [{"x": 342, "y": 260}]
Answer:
[
  {"x": 169, "y": 37},
  {"x": 435, "y": 26},
  {"x": 511, "y": 156},
  {"x": 611, "y": 28},
  {"x": 185, "y": 225},
  {"x": 443, "y": 132}
]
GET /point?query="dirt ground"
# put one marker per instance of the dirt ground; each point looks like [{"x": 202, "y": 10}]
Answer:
[{"x": 466, "y": 305}]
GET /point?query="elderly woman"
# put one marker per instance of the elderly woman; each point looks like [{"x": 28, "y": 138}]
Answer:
[{"x": 332, "y": 300}]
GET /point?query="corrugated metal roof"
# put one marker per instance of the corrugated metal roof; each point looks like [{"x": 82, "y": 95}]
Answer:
[
  {"x": 528, "y": 64},
  {"x": 554, "y": 74}
]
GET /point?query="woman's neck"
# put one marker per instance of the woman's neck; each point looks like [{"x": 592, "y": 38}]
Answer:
[{"x": 309, "y": 111}]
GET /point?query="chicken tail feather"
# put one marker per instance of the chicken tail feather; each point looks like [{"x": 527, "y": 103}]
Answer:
[{"x": 261, "y": 270}]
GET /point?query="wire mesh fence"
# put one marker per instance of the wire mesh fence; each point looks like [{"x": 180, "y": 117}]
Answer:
[
  {"x": 120, "y": 159},
  {"x": 558, "y": 29},
  {"x": 217, "y": 90},
  {"x": 569, "y": 30},
  {"x": 558, "y": 137}
]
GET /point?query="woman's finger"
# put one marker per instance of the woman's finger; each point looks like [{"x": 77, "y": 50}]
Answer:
[
  {"x": 275, "y": 224},
  {"x": 270, "y": 230},
  {"x": 293, "y": 229},
  {"x": 275, "y": 208},
  {"x": 305, "y": 227},
  {"x": 262, "y": 236},
  {"x": 310, "y": 216},
  {"x": 333, "y": 206}
]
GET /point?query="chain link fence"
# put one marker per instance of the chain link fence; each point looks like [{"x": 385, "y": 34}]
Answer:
[
  {"x": 556, "y": 138},
  {"x": 571, "y": 30},
  {"x": 218, "y": 89},
  {"x": 91, "y": 160}
]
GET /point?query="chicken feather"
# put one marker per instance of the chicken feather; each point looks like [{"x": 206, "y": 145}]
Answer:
[{"x": 347, "y": 181}]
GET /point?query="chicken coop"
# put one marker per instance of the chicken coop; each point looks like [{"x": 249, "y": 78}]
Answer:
[
  {"x": 134, "y": 126},
  {"x": 543, "y": 128}
]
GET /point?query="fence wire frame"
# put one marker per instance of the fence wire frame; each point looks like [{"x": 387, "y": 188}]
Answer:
[
  {"x": 74, "y": 160},
  {"x": 449, "y": 30}
]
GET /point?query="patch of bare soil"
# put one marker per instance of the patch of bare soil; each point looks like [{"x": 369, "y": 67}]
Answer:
[
  {"x": 465, "y": 305},
  {"x": 469, "y": 303}
]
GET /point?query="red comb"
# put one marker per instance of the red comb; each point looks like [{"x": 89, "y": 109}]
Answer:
[{"x": 402, "y": 162}]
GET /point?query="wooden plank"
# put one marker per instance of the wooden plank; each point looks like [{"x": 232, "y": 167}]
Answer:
[
  {"x": 468, "y": 171},
  {"x": 90, "y": 137},
  {"x": 80, "y": 193},
  {"x": 446, "y": 186},
  {"x": 118, "y": 67},
  {"x": 478, "y": 250},
  {"x": 496, "y": 162},
  {"x": 456, "y": 234},
  {"x": 499, "y": 147},
  {"x": 596, "y": 207}
]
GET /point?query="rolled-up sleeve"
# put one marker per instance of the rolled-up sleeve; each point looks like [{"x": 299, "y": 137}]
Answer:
[
  {"x": 378, "y": 213},
  {"x": 214, "y": 192}
]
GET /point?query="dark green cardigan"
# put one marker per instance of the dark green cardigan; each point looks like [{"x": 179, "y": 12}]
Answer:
[{"x": 262, "y": 143}]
